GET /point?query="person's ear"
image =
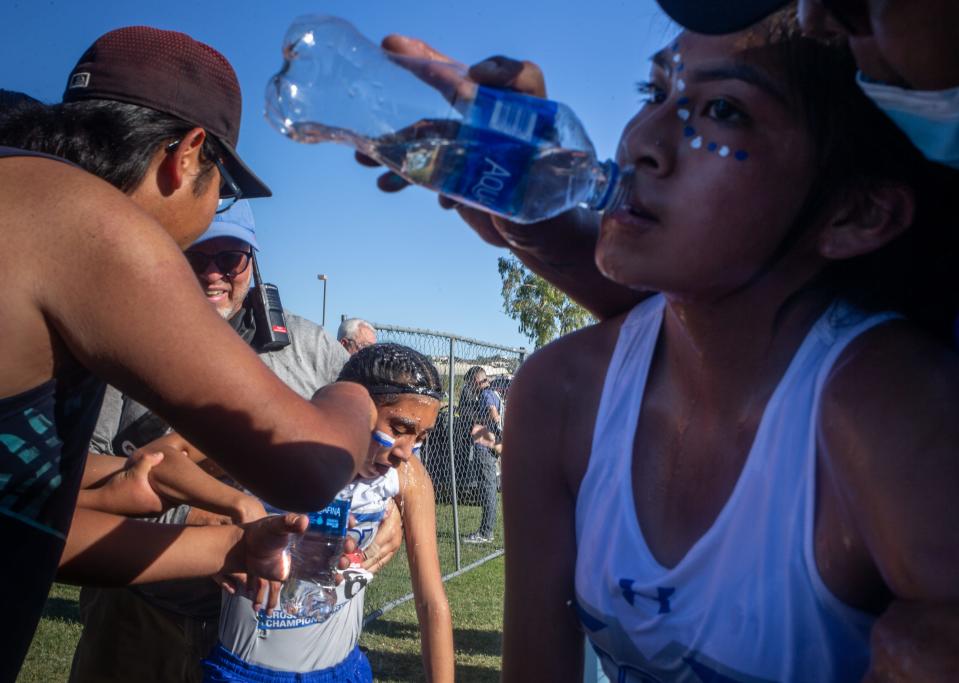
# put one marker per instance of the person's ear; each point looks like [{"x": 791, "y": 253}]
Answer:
[
  {"x": 183, "y": 162},
  {"x": 867, "y": 220}
]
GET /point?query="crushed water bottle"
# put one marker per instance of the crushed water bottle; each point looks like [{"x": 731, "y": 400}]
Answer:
[
  {"x": 310, "y": 589},
  {"x": 521, "y": 157}
]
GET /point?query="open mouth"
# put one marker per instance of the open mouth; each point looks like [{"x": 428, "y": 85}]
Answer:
[
  {"x": 633, "y": 213},
  {"x": 639, "y": 211}
]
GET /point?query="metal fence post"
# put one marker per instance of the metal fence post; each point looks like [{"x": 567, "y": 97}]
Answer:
[{"x": 450, "y": 434}]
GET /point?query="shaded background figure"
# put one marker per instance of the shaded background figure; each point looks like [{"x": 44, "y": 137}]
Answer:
[
  {"x": 355, "y": 334},
  {"x": 481, "y": 405}
]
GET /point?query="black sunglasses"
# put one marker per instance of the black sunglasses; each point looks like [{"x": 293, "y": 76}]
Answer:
[
  {"x": 230, "y": 192},
  {"x": 229, "y": 263}
]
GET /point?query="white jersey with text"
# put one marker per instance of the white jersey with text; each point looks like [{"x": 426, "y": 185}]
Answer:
[
  {"x": 747, "y": 603},
  {"x": 297, "y": 644}
]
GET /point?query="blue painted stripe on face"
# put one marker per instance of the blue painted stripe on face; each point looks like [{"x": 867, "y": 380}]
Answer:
[{"x": 383, "y": 439}]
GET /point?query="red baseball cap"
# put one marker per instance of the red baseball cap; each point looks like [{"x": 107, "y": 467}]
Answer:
[{"x": 170, "y": 72}]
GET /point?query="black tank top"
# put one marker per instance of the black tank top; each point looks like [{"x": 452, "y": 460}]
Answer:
[{"x": 44, "y": 434}]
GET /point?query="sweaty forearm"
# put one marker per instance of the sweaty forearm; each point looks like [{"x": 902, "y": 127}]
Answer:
[
  {"x": 436, "y": 640},
  {"x": 289, "y": 453},
  {"x": 181, "y": 480},
  {"x": 98, "y": 468},
  {"x": 108, "y": 550}
]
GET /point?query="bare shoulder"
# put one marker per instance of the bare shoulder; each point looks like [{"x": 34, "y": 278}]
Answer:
[
  {"x": 414, "y": 481},
  {"x": 52, "y": 224},
  {"x": 889, "y": 434},
  {"x": 553, "y": 404},
  {"x": 891, "y": 381},
  {"x": 570, "y": 367},
  {"x": 61, "y": 212}
]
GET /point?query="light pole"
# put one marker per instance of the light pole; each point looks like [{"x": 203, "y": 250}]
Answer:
[{"x": 323, "y": 278}]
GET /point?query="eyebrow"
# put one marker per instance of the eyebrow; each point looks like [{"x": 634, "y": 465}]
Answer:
[
  {"x": 662, "y": 61},
  {"x": 407, "y": 422},
  {"x": 739, "y": 71}
]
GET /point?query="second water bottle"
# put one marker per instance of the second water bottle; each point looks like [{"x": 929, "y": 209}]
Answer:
[{"x": 310, "y": 589}]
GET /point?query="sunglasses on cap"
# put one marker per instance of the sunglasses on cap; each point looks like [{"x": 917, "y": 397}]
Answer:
[
  {"x": 229, "y": 263},
  {"x": 230, "y": 192}
]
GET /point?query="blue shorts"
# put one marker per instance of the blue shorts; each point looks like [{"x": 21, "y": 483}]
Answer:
[{"x": 222, "y": 666}]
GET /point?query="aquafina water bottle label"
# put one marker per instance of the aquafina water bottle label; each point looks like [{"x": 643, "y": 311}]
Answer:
[
  {"x": 332, "y": 520},
  {"x": 502, "y": 132}
]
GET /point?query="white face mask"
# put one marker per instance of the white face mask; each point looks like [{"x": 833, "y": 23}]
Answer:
[{"x": 930, "y": 118}]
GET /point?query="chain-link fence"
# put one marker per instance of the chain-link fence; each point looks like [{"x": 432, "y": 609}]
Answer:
[{"x": 461, "y": 456}]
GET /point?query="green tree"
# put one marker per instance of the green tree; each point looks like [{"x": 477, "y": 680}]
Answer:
[{"x": 544, "y": 313}]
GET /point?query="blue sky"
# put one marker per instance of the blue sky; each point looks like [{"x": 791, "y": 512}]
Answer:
[{"x": 395, "y": 259}]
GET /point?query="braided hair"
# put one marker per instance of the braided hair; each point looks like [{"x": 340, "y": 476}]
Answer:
[{"x": 390, "y": 370}]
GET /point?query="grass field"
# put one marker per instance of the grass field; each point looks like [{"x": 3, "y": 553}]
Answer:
[{"x": 476, "y": 600}]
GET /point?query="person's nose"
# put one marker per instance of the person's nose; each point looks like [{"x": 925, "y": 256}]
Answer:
[
  {"x": 403, "y": 450},
  {"x": 649, "y": 140},
  {"x": 211, "y": 273}
]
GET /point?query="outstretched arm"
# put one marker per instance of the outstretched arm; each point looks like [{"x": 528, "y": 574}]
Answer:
[
  {"x": 200, "y": 377},
  {"x": 108, "y": 550},
  {"x": 418, "y": 507},
  {"x": 156, "y": 477}
]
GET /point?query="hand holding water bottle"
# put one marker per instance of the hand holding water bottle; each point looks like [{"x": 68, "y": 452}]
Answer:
[
  {"x": 524, "y": 158},
  {"x": 559, "y": 249}
]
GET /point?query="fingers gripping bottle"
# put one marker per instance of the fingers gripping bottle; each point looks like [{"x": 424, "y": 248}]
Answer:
[
  {"x": 521, "y": 157},
  {"x": 310, "y": 589}
]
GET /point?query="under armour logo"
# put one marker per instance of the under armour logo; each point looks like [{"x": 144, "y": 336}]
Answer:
[{"x": 662, "y": 595}]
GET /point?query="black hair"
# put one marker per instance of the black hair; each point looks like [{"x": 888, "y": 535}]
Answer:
[
  {"x": 113, "y": 140},
  {"x": 859, "y": 149},
  {"x": 468, "y": 391},
  {"x": 391, "y": 370},
  {"x": 12, "y": 99}
]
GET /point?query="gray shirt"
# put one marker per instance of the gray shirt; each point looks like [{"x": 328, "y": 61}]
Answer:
[{"x": 312, "y": 360}]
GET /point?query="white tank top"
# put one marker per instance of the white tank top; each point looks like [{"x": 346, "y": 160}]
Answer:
[
  {"x": 746, "y": 603},
  {"x": 298, "y": 644}
]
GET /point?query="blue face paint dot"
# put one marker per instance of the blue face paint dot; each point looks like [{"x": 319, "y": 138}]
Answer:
[
  {"x": 741, "y": 154},
  {"x": 682, "y": 100},
  {"x": 712, "y": 146},
  {"x": 680, "y": 67},
  {"x": 689, "y": 131},
  {"x": 675, "y": 46}
]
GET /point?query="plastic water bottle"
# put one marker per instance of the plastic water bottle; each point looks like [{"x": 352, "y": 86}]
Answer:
[
  {"x": 310, "y": 589},
  {"x": 521, "y": 157}
]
